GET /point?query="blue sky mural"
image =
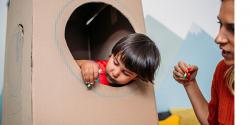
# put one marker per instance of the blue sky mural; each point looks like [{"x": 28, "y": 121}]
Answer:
[{"x": 196, "y": 48}]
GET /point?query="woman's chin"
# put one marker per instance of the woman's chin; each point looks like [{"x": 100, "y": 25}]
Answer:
[{"x": 229, "y": 61}]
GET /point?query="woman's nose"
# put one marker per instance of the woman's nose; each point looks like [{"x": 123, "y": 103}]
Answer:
[{"x": 221, "y": 37}]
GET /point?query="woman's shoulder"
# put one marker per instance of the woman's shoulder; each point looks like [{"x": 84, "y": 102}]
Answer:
[{"x": 222, "y": 65}]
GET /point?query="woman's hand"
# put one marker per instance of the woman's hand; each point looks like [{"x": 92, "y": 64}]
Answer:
[{"x": 184, "y": 73}]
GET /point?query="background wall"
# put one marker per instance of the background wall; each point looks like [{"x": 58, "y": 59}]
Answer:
[
  {"x": 3, "y": 19},
  {"x": 183, "y": 30}
]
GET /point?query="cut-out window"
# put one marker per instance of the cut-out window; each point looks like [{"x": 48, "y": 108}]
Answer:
[{"x": 93, "y": 29}]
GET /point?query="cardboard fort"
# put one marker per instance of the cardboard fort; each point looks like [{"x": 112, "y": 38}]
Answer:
[{"x": 42, "y": 82}]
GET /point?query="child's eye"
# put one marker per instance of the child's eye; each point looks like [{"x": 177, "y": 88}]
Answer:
[
  {"x": 115, "y": 62},
  {"x": 126, "y": 73}
]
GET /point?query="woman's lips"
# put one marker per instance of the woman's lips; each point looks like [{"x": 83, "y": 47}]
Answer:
[{"x": 226, "y": 54}]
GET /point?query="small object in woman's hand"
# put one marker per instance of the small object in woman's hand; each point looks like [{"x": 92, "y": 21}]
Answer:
[{"x": 187, "y": 75}]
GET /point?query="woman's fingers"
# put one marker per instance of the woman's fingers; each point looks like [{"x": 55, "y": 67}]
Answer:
[
  {"x": 193, "y": 68},
  {"x": 183, "y": 66},
  {"x": 183, "y": 72},
  {"x": 177, "y": 74},
  {"x": 178, "y": 69}
]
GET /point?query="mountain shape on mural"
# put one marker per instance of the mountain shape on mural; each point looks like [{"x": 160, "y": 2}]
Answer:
[{"x": 198, "y": 48}]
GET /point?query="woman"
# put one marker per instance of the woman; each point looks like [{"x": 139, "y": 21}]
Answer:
[{"x": 220, "y": 109}]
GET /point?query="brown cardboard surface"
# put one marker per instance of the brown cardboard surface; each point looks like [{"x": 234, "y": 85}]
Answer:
[
  {"x": 17, "y": 105},
  {"x": 51, "y": 90}
]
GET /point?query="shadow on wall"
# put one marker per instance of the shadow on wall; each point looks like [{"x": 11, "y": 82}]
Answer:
[{"x": 197, "y": 48}]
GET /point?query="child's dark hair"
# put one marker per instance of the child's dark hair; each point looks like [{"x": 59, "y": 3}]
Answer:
[{"x": 138, "y": 54}]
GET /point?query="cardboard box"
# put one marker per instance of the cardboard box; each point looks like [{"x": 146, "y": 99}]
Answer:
[{"x": 42, "y": 82}]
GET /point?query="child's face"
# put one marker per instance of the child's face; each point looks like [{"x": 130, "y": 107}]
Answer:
[{"x": 117, "y": 72}]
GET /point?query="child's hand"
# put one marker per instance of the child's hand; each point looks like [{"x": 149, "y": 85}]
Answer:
[
  {"x": 89, "y": 70},
  {"x": 184, "y": 73}
]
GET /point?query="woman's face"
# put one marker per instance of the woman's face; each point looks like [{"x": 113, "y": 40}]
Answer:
[{"x": 225, "y": 37}]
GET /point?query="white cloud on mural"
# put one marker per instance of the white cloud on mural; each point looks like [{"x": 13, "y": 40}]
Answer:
[
  {"x": 179, "y": 15},
  {"x": 194, "y": 29}
]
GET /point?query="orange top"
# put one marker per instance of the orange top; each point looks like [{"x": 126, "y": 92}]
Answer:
[{"x": 221, "y": 105}]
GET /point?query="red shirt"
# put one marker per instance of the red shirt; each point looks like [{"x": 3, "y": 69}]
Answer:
[
  {"x": 221, "y": 105},
  {"x": 102, "y": 75}
]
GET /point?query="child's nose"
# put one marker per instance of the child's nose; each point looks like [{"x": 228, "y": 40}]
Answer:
[{"x": 116, "y": 73}]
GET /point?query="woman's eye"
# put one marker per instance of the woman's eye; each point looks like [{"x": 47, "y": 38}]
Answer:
[
  {"x": 219, "y": 23},
  {"x": 230, "y": 28}
]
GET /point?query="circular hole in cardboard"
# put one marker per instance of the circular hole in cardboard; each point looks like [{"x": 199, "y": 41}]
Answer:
[{"x": 93, "y": 29}]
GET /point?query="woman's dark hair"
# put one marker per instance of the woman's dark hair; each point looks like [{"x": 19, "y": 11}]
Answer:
[{"x": 139, "y": 54}]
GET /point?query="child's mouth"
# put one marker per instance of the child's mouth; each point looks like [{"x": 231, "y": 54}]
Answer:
[{"x": 110, "y": 79}]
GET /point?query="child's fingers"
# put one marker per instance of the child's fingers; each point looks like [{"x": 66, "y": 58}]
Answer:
[
  {"x": 86, "y": 76},
  {"x": 96, "y": 68},
  {"x": 91, "y": 75},
  {"x": 89, "y": 71},
  {"x": 82, "y": 73}
]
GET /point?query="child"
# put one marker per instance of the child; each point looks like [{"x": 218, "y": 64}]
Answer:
[{"x": 133, "y": 57}]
